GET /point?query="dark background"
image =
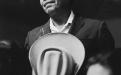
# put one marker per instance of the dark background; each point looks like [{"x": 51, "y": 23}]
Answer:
[{"x": 17, "y": 17}]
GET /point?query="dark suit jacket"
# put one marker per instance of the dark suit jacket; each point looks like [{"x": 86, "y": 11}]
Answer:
[{"x": 93, "y": 33}]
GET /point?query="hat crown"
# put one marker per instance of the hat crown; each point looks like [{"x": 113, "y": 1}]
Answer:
[{"x": 66, "y": 43}]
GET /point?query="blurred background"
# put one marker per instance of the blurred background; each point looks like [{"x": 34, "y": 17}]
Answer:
[
  {"x": 17, "y": 17},
  {"x": 11, "y": 20}
]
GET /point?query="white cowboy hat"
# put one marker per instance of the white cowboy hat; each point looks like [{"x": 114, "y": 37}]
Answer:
[{"x": 56, "y": 54}]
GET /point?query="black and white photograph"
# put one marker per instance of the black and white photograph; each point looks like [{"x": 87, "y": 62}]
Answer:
[{"x": 60, "y": 37}]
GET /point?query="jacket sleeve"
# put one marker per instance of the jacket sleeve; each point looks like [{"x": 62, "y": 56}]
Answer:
[{"x": 105, "y": 38}]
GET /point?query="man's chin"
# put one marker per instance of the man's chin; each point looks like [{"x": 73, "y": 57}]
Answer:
[{"x": 50, "y": 11}]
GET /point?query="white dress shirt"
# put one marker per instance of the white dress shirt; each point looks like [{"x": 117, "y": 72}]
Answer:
[{"x": 65, "y": 28}]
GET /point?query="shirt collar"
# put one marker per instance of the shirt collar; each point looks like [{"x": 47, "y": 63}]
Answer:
[{"x": 69, "y": 21}]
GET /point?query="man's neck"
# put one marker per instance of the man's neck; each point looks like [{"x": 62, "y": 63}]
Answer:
[{"x": 61, "y": 17}]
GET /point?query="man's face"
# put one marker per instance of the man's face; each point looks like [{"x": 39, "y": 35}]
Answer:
[{"x": 53, "y": 5}]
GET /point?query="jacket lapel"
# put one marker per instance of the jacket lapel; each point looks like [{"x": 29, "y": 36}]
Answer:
[
  {"x": 77, "y": 24},
  {"x": 46, "y": 28}
]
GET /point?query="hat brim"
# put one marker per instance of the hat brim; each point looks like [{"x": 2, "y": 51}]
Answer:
[{"x": 65, "y": 42}]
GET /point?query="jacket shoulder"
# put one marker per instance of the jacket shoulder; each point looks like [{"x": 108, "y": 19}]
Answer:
[
  {"x": 33, "y": 35},
  {"x": 93, "y": 21},
  {"x": 35, "y": 30}
]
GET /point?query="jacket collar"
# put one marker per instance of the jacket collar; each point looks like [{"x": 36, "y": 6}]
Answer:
[{"x": 77, "y": 24}]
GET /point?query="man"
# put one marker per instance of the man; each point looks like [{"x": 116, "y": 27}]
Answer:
[{"x": 93, "y": 33}]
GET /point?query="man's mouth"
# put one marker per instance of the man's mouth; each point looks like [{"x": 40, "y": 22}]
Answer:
[{"x": 49, "y": 2}]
